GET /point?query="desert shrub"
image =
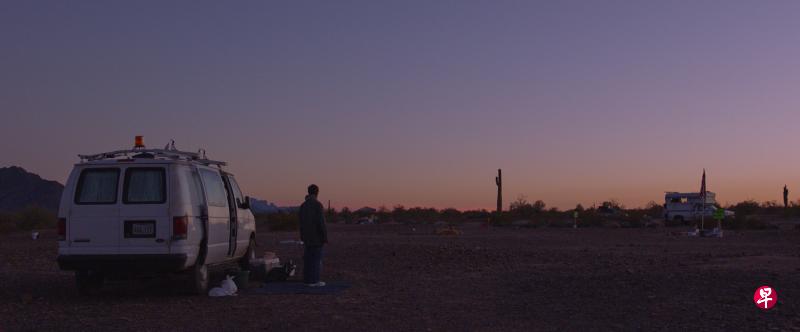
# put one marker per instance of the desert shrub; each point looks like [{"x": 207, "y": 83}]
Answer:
[
  {"x": 654, "y": 210},
  {"x": 331, "y": 215},
  {"x": 561, "y": 223},
  {"x": 503, "y": 218},
  {"x": 746, "y": 208},
  {"x": 7, "y": 223},
  {"x": 450, "y": 215},
  {"x": 34, "y": 217},
  {"x": 383, "y": 214},
  {"x": 346, "y": 215},
  {"x": 612, "y": 204},
  {"x": 633, "y": 222},
  {"x": 29, "y": 218},
  {"x": 476, "y": 215},
  {"x": 278, "y": 221},
  {"x": 521, "y": 208},
  {"x": 427, "y": 215},
  {"x": 746, "y": 222},
  {"x": 590, "y": 218}
]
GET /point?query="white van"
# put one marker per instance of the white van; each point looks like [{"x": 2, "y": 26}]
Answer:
[{"x": 142, "y": 211}]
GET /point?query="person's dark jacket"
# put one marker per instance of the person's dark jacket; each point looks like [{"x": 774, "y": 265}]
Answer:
[{"x": 312, "y": 223}]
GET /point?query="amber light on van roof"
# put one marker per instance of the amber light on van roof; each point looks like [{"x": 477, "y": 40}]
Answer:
[{"x": 138, "y": 142}]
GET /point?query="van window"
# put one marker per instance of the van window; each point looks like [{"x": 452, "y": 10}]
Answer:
[
  {"x": 237, "y": 193},
  {"x": 97, "y": 186},
  {"x": 145, "y": 186},
  {"x": 215, "y": 189},
  {"x": 195, "y": 187}
]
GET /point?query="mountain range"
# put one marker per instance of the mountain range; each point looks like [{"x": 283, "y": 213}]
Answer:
[
  {"x": 20, "y": 189},
  {"x": 263, "y": 207}
]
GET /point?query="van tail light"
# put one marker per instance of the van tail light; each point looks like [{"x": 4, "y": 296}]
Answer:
[
  {"x": 62, "y": 229},
  {"x": 180, "y": 227}
]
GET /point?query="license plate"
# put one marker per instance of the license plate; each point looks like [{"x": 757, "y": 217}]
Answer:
[{"x": 142, "y": 229}]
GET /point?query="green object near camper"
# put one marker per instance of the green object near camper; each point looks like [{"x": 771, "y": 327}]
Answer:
[{"x": 719, "y": 213}]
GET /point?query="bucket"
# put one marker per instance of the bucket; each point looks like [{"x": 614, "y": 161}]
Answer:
[{"x": 242, "y": 279}]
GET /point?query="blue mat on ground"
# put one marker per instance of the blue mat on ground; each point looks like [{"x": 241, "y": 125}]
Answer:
[{"x": 296, "y": 287}]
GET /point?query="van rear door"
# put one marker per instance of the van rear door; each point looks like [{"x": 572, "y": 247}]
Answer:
[
  {"x": 144, "y": 219},
  {"x": 92, "y": 219}
]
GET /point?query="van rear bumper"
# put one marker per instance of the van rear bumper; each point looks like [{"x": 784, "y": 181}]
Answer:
[{"x": 136, "y": 262}]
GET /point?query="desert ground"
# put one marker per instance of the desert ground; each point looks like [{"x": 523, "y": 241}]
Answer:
[{"x": 496, "y": 279}]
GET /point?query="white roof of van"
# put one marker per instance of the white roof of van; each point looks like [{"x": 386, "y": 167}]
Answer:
[{"x": 149, "y": 156}]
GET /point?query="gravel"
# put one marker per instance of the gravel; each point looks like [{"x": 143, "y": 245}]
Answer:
[{"x": 484, "y": 279}]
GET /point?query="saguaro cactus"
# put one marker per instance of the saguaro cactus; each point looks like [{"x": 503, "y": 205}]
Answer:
[
  {"x": 498, "y": 180},
  {"x": 785, "y": 196}
]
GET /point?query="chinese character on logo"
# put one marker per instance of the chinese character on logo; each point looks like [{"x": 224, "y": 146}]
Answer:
[{"x": 765, "y": 297}]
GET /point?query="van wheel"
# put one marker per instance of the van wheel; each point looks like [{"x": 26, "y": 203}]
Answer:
[
  {"x": 246, "y": 262},
  {"x": 199, "y": 275},
  {"x": 88, "y": 282},
  {"x": 678, "y": 220}
]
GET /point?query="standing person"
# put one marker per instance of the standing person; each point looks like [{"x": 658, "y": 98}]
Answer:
[{"x": 314, "y": 236}]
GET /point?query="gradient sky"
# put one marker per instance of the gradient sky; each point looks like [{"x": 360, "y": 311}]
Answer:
[{"x": 417, "y": 102}]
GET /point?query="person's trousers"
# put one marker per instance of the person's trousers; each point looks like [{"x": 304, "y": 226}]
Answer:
[{"x": 312, "y": 264}]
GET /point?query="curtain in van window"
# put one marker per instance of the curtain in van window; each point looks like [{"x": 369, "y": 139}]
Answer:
[
  {"x": 195, "y": 188},
  {"x": 98, "y": 186},
  {"x": 145, "y": 186},
  {"x": 215, "y": 188}
]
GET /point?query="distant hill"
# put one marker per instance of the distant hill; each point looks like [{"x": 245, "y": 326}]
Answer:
[
  {"x": 20, "y": 189},
  {"x": 263, "y": 207}
]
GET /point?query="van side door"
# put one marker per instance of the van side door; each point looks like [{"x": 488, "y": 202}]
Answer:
[
  {"x": 232, "y": 211},
  {"x": 245, "y": 221},
  {"x": 218, "y": 214}
]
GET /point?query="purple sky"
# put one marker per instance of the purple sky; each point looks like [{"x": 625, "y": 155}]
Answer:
[{"x": 417, "y": 103}]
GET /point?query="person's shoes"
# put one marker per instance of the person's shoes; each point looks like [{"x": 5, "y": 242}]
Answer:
[{"x": 318, "y": 284}]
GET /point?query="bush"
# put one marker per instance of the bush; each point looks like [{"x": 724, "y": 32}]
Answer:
[
  {"x": 746, "y": 208},
  {"x": 590, "y": 218},
  {"x": 278, "y": 221},
  {"x": 561, "y": 223},
  {"x": 745, "y": 222},
  {"x": 34, "y": 217},
  {"x": 346, "y": 215},
  {"x": 7, "y": 223},
  {"x": 30, "y": 218},
  {"x": 521, "y": 208}
]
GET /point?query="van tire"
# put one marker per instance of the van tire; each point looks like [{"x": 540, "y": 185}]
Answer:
[
  {"x": 199, "y": 278},
  {"x": 679, "y": 220},
  {"x": 88, "y": 282},
  {"x": 249, "y": 256}
]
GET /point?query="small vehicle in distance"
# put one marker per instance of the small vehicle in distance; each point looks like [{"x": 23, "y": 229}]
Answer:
[{"x": 681, "y": 208}]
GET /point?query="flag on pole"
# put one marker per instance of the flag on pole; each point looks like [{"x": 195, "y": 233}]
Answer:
[
  {"x": 703, "y": 187},
  {"x": 703, "y": 196}
]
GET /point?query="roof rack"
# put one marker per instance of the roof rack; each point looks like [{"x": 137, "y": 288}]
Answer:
[{"x": 162, "y": 153}]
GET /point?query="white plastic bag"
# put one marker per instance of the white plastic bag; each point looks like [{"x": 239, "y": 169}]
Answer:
[{"x": 228, "y": 288}]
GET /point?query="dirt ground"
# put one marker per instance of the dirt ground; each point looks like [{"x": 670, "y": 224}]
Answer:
[{"x": 485, "y": 279}]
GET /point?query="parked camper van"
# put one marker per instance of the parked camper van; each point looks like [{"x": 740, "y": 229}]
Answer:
[
  {"x": 685, "y": 207},
  {"x": 143, "y": 210}
]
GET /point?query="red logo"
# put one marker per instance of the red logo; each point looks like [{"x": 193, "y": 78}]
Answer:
[{"x": 765, "y": 297}]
